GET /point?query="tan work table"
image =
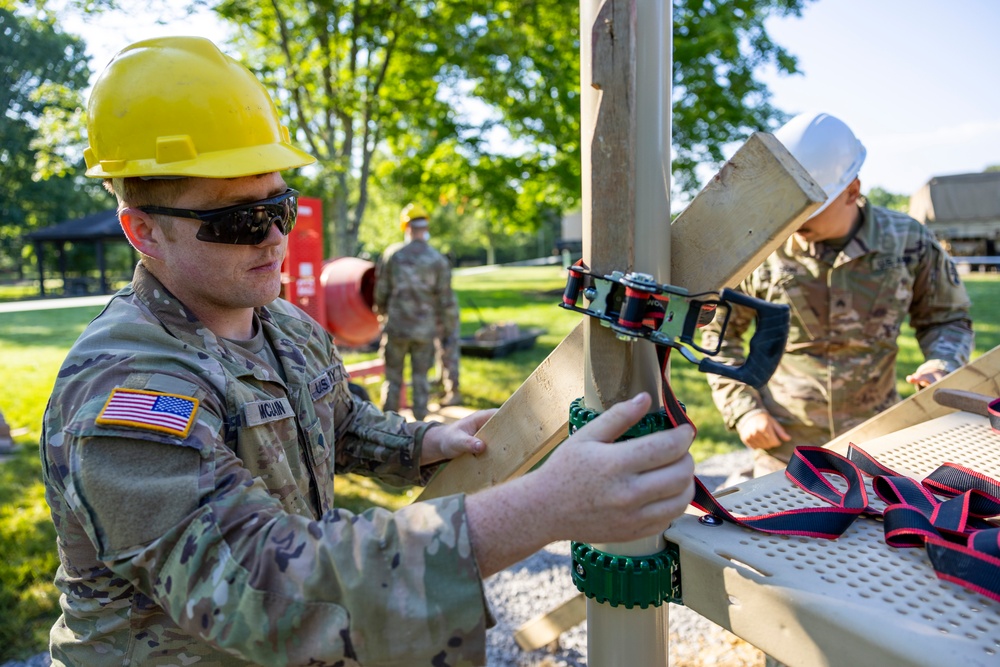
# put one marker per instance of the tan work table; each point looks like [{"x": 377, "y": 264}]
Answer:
[{"x": 852, "y": 601}]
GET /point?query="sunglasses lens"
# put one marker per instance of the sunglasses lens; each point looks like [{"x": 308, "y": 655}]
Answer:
[{"x": 250, "y": 224}]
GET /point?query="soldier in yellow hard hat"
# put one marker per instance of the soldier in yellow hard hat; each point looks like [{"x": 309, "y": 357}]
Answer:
[
  {"x": 415, "y": 302},
  {"x": 190, "y": 443}
]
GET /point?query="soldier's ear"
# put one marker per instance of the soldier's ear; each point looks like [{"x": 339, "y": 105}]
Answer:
[
  {"x": 854, "y": 191},
  {"x": 141, "y": 231}
]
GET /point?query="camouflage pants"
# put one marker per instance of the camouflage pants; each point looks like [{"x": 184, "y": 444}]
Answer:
[
  {"x": 448, "y": 354},
  {"x": 394, "y": 351}
]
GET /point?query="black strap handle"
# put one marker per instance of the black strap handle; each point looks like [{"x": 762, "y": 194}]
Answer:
[{"x": 766, "y": 345}]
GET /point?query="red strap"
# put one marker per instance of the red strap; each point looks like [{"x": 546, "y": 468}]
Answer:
[{"x": 963, "y": 548}]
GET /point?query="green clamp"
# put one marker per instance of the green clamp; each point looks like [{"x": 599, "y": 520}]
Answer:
[
  {"x": 628, "y": 580},
  {"x": 579, "y": 415}
]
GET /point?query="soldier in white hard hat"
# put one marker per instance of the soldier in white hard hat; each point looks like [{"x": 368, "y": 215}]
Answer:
[{"x": 852, "y": 274}]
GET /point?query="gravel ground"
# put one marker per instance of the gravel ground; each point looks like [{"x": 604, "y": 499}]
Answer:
[{"x": 541, "y": 582}]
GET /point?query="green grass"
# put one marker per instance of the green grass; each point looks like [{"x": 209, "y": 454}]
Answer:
[{"x": 32, "y": 347}]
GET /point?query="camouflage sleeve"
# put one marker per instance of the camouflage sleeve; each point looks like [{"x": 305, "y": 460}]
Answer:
[
  {"x": 201, "y": 537},
  {"x": 368, "y": 441},
  {"x": 733, "y": 399},
  {"x": 380, "y": 444},
  {"x": 939, "y": 312}
]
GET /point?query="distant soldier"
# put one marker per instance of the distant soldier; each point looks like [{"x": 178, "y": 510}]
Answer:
[
  {"x": 414, "y": 300},
  {"x": 852, "y": 274}
]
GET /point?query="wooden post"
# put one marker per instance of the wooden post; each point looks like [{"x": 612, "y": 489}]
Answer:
[{"x": 625, "y": 123}]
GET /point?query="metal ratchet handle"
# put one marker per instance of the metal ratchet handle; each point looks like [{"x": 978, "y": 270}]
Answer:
[{"x": 766, "y": 345}]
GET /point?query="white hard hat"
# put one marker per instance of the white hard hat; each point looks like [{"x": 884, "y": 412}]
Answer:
[{"x": 827, "y": 148}]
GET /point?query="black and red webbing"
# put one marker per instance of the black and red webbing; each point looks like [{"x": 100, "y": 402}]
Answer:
[
  {"x": 963, "y": 547},
  {"x": 945, "y": 513}
]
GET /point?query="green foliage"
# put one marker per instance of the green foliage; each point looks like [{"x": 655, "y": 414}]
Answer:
[
  {"x": 881, "y": 197},
  {"x": 476, "y": 107},
  {"x": 717, "y": 98},
  {"x": 43, "y": 72}
]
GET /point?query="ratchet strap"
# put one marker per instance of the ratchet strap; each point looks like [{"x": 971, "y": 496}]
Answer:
[{"x": 946, "y": 513}]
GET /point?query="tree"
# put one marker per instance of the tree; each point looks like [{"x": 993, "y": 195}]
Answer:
[
  {"x": 879, "y": 196},
  {"x": 42, "y": 75},
  {"x": 718, "y": 47},
  {"x": 373, "y": 88},
  {"x": 353, "y": 77}
]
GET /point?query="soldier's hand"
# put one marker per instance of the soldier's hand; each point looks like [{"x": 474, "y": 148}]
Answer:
[
  {"x": 921, "y": 379},
  {"x": 760, "y": 430},
  {"x": 600, "y": 490},
  {"x": 446, "y": 442},
  {"x": 591, "y": 488}
]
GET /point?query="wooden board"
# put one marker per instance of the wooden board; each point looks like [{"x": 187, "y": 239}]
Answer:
[
  {"x": 547, "y": 628},
  {"x": 535, "y": 418},
  {"x": 525, "y": 428}
]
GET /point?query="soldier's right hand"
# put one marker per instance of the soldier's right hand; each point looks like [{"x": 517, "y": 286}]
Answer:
[
  {"x": 591, "y": 489},
  {"x": 607, "y": 491},
  {"x": 759, "y": 430}
]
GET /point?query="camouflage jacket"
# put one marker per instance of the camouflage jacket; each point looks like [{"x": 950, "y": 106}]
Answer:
[
  {"x": 198, "y": 527},
  {"x": 839, "y": 366},
  {"x": 413, "y": 292}
]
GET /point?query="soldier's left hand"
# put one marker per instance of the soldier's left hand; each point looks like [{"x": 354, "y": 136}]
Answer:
[
  {"x": 925, "y": 378},
  {"x": 451, "y": 440}
]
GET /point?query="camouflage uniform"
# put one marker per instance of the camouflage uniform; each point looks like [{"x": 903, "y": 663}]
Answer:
[
  {"x": 216, "y": 542},
  {"x": 413, "y": 296},
  {"x": 839, "y": 366},
  {"x": 448, "y": 353}
]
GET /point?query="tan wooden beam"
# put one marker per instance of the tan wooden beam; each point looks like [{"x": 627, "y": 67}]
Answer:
[
  {"x": 547, "y": 627},
  {"x": 526, "y": 427},
  {"x": 535, "y": 418}
]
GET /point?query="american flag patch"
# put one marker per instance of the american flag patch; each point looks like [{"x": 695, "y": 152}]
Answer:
[{"x": 152, "y": 410}]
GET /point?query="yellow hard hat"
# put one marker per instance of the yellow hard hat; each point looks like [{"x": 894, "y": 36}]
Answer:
[
  {"x": 178, "y": 106},
  {"x": 409, "y": 213}
]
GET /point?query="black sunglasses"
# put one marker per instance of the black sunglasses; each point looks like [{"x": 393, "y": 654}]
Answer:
[{"x": 242, "y": 224}]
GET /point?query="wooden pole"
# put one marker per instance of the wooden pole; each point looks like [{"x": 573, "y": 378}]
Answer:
[{"x": 625, "y": 123}]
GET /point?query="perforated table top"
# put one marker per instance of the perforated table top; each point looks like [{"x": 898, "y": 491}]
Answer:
[{"x": 850, "y": 601}]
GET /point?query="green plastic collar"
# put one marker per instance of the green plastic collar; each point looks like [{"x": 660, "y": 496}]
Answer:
[
  {"x": 579, "y": 415},
  {"x": 628, "y": 580}
]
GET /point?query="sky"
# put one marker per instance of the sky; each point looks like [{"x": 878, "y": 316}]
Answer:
[{"x": 917, "y": 80}]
